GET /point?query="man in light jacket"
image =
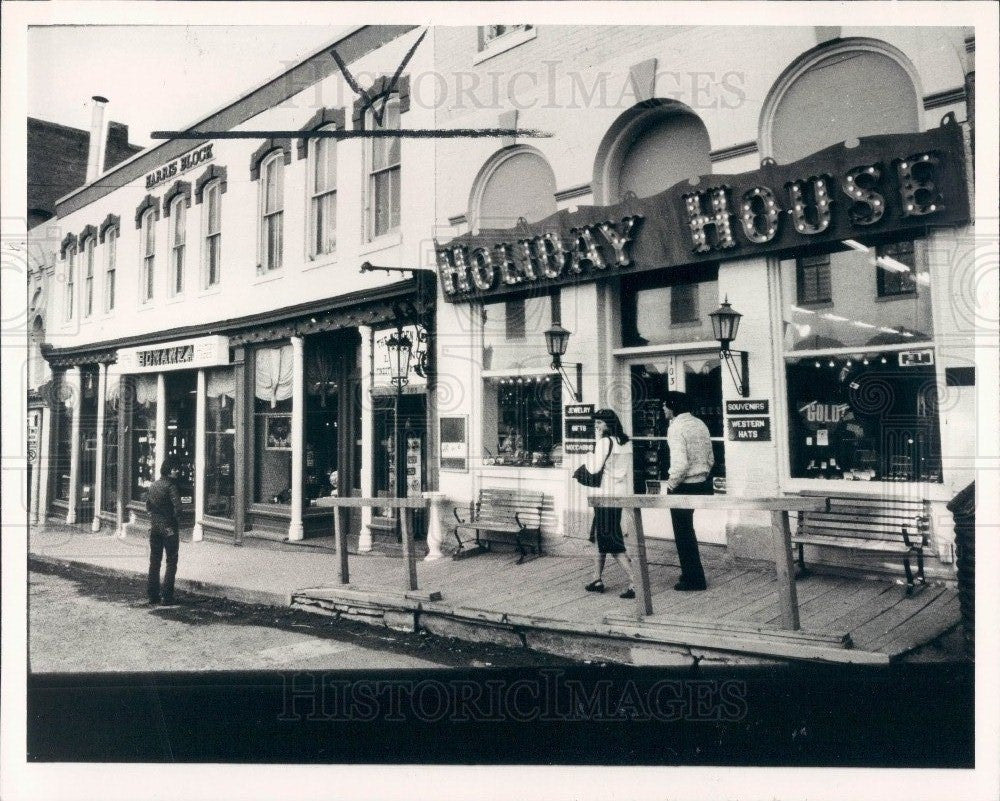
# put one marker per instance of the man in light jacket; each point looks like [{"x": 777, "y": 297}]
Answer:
[{"x": 691, "y": 461}]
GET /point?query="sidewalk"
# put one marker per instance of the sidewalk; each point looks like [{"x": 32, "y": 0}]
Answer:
[{"x": 542, "y": 605}]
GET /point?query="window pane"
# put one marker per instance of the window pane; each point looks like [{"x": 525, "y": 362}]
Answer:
[
  {"x": 527, "y": 420},
  {"x": 856, "y": 316},
  {"x": 179, "y": 269},
  {"x": 143, "y": 436},
  {"x": 529, "y": 317},
  {"x": 649, "y": 309},
  {"x": 214, "y": 247},
  {"x": 213, "y": 209},
  {"x": 864, "y": 417}
]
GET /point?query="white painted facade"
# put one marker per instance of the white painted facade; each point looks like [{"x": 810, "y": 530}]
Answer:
[{"x": 578, "y": 82}]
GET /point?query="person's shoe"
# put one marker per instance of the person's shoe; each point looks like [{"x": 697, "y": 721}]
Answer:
[
  {"x": 687, "y": 586},
  {"x": 149, "y": 602},
  {"x": 595, "y": 586},
  {"x": 169, "y": 602},
  {"x": 629, "y": 593}
]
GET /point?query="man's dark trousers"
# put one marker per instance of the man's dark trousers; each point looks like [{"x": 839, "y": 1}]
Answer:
[
  {"x": 684, "y": 536},
  {"x": 161, "y": 541}
]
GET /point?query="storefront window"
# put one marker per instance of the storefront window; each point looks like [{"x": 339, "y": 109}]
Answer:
[
  {"x": 273, "y": 425},
  {"x": 860, "y": 306},
  {"x": 109, "y": 479},
  {"x": 523, "y": 419},
  {"x": 181, "y": 390},
  {"x": 63, "y": 413},
  {"x": 671, "y": 308},
  {"x": 220, "y": 433},
  {"x": 514, "y": 333},
  {"x": 862, "y": 387},
  {"x": 143, "y": 436},
  {"x": 864, "y": 417},
  {"x": 322, "y": 435}
]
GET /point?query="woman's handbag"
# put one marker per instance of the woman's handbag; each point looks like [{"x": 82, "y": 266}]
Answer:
[{"x": 588, "y": 479}]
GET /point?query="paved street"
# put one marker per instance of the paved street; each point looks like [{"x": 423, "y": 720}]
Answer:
[{"x": 84, "y": 622}]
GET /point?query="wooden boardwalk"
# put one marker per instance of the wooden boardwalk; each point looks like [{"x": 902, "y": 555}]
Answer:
[{"x": 881, "y": 620}]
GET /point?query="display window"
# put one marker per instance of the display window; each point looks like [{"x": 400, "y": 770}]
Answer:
[
  {"x": 220, "y": 435},
  {"x": 273, "y": 425},
  {"x": 861, "y": 382},
  {"x": 109, "y": 477},
  {"x": 321, "y": 473},
  {"x": 523, "y": 421},
  {"x": 63, "y": 414},
  {"x": 143, "y": 437},
  {"x": 869, "y": 416}
]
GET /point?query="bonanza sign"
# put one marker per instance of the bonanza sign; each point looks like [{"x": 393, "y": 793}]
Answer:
[{"x": 868, "y": 188}]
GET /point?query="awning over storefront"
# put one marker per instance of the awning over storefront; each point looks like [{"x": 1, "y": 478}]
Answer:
[{"x": 870, "y": 188}]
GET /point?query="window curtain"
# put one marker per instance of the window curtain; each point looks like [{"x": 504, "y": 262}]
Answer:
[
  {"x": 274, "y": 374},
  {"x": 221, "y": 384},
  {"x": 145, "y": 389},
  {"x": 112, "y": 390},
  {"x": 319, "y": 371}
]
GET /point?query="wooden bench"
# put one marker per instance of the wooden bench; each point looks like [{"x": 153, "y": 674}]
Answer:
[
  {"x": 871, "y": 524},
  {"x": 504, "y": 515}
]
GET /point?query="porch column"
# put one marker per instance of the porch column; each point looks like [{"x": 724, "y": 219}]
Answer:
[
  {"x": 43, "y": 465},
  {"x": 197, "y": 533},
  {"x": 367, "y": 438},
  {"x": 295, "y": 530},
  {"x": 102, "y": 383},
  {"x": 73, "y": 380},
  {"x": 126, "y": 394},
  {"x": 161, "y": 424}
]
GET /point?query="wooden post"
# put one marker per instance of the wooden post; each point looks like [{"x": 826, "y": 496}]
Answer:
[
  {"x": 242, "y": 421},
  {"x": 198, "y": 532},
  {"x": 643, "y": 596},
  {"x": 340, "y": 539},
  {"x": 102, "y": 384},
  {"x": 126, "y": 396},
  {"x": 408, "y": 555},
  {"x": 781, "y": 538}
]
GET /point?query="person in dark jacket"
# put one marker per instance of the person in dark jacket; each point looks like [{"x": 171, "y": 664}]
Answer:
[{"x": 163, "y": 502}]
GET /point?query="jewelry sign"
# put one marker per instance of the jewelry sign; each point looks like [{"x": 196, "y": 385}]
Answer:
[{"x": 578, "y": 436}]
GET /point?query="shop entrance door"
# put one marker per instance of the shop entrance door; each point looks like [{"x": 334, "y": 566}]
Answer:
[
  {"x": 181, "y": 391},
  {"x": 648, "y": 378},
  {"x": 413, "y": 441}
]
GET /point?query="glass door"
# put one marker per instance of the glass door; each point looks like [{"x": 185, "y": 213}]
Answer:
[{"x": 648, "y": 378}]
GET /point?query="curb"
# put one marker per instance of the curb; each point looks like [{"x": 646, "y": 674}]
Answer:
[{"x": 209, "y": 588}]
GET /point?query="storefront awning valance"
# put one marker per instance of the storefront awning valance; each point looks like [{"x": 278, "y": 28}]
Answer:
[{"x": 875, "y": 187}]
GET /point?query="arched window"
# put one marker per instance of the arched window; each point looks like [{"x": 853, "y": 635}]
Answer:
[
  {"x": 272, "y": 207},
  {"x": 323, "y": 196},
  {"x": 178, "y": 237},
  {"x": 383, "y": 166},
  {"x": 851, "y": 89},
  {"x": 70, "y": 291},
  {"x": 516, "y": 182},
  {"x": 88, "y": 275},
  {"x": 147, "y": 241},
  {"x": 212, "y": 226},
  {"x": 649, "y": 149}
]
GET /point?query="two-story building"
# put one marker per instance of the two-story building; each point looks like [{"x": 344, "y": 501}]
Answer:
[
  {"x": 210, "y": 305},
  {"x": 817, "y": 178}
]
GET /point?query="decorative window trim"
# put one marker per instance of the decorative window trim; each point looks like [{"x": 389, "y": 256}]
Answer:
[
  {"x": 179, "y": 188},
  {"x": 501, "y": 44},
  {"x": 212, "y": 172},
  {"x": 88, "y": 230},
  {"x": 376, "y": 93},
  {"x": 284, "y": 144},
  {"x": 111, "y": 221},
  {"x": 805, "y": 62},
  {"x": 321, "y": 119},
  {"x": 148, "y": 202},
  {"x": 70, "y": 242}
]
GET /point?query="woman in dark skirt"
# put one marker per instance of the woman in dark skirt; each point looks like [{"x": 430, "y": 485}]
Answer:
[{"x": 614, "y": 451}]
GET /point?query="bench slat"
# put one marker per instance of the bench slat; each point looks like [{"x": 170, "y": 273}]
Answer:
[{"x": 855, "y": 544}]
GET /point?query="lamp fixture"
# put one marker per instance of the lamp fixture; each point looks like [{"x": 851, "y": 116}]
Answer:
[
  {"x": 725, "y": 325},
  {"x": 556, "y": 342},
  {"x": 400, "y": 347}
]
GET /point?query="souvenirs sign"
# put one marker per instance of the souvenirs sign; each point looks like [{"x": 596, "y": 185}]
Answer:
[{"x": 867, "y": 188}]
